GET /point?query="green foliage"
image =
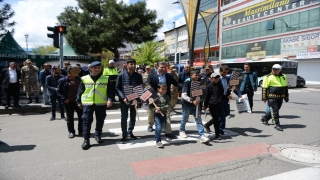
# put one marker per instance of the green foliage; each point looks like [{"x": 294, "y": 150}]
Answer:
[
  {"x": 43, "y": 50},
  {"x": 106, "y": 55},
  {"x": 106, "y": 24},
  {"x": 5, "y": 14},
  {"x": 150, "y": 52}
]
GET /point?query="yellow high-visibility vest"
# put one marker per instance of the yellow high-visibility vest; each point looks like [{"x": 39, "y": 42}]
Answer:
[{"x": 95, "y": 92}]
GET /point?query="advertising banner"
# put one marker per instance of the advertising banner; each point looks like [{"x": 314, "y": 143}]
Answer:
[
  {"x": 300, "y": 44},
  {"x": 308, "y": 55},
  {"x": 257, "y": 49},
  {"x": 263, "y": 9}
]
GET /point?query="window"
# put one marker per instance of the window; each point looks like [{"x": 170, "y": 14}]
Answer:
[
  {"x": 270, "y": 25},
  {"x": 294, "y": 19}
]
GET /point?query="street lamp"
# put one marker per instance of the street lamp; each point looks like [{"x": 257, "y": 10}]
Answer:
[{"x": 26, "y": 35}]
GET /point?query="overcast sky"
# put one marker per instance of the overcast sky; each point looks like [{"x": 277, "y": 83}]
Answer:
[{"x": 33, "y": 17}]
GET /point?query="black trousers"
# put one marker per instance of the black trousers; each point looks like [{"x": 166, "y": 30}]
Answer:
[
  {"x": 215, "y": 113},
  {"x": 87, "y": 117},
  {"x": 13, "y": 90},
  {"x": 70, "y": 108},
  {"x": 275, "y": 105},
  {"x": 249, "y": 92}
]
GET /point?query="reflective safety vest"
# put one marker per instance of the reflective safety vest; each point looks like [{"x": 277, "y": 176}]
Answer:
[
  {"x": 275, "y": 87},
  {"x": 110, "y": 71},
  {"x": 95, "y": 92}
]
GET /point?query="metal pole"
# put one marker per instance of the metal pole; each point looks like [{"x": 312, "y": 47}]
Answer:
[
  {"x": 27, "y": 43},
  {"x": 61, "y": 51},
  {"x": 179, "y": 61},
  {"x": 176, "y": 43}
]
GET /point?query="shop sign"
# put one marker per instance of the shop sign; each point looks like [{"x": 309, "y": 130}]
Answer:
[
  {"x": 257, "y": 49},
  {"x": 308, "y": 55},
  {"x": 300, "y": 44},
  {"x": 263, "y": 9}
]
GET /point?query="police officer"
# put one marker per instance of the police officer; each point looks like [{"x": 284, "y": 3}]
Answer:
[
  {"x": 29, "y": 75},
  {"x": 274, "y": 90},
  {"x": 94, "y": 95},
  {"x": 112, "y": 73}
]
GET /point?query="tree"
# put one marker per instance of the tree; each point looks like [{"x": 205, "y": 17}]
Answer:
[
  {"x": 148, "y": 53},
  {"x": 5, "y": 14},
  {"x": 43, "y": 50},
  {"x": 105, "y": 24}
]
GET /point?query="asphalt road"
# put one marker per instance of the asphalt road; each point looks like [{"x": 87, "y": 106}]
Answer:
[{"x": 33, "y": 147}]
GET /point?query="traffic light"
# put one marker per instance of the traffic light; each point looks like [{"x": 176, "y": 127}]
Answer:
[
  {"x": 62, "y": 29},
  {"x": 54, "y": 36},
  {"x": 177, "y": 58}
]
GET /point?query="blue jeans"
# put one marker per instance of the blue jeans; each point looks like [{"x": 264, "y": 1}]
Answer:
[
  {"x": 160, "y": 123},
  {"x": 186, "y": 111},
  {"x": 54, "y": 105},
  {"x": 224, "y": 112},
  {"x": 45, "y": 96},
  {"x": 124, "y": 118}
]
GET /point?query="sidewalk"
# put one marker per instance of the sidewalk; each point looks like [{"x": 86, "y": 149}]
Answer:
[{"x": 34, "y": 107}]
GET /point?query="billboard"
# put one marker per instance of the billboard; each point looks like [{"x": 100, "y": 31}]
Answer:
[
  {"x": 300, "y": 44},
  {"x": 262, "y": 9},
  {"x": 257, "y": 49}
]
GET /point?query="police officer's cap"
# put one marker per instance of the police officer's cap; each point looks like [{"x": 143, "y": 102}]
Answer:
[
  {"x": 95, "y": 63},
  {"x": 276, "y": 66},
  {"x": 131, "y": 61}
]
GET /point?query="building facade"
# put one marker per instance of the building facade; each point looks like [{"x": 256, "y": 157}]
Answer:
[
  {"x": 255, "y": 30},
  {"x": 209, "y": 9}
]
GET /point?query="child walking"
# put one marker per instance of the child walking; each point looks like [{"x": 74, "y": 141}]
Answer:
[
  {"x": 189, "y": 106},
  {"x": 212, "y": 100},
  {"x": 162, "y": 106}
]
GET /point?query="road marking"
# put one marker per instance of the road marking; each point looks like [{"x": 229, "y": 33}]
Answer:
[
  {"x": 119, "y": 112},
  {"x": 143, "y": 118},
  {"x": 145, "y": 127},
  {"x": 304, "y": 173},
  {"x": 145, "y": 142},
  {"x": 187, "y": 161}
]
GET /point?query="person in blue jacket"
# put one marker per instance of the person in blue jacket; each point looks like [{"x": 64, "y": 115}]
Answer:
[{"x": 249, "y": 83}]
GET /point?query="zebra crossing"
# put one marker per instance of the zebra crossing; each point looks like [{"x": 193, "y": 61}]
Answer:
[{"x": 149, "y": 140}]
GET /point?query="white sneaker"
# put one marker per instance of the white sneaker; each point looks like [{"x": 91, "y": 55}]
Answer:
[
  {"x": 183, "y": 134},
  {"x": 204, "y": 139}
]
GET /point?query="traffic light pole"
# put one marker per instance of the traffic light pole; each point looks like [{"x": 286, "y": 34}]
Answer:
[
  {"x": 61, "y": 51},
  {"x": 179, "y": 62}
]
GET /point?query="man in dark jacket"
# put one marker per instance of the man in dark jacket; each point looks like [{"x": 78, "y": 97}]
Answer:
[
  {"x": 52, "y": 88},
  {"x": 161, "y": 77},
  {"x": 42, "y": 82},
  {"x": 10, "y": 82},
  {"x": 213, "y": 100},
  {"x": 185, "y": 74},
  {"x": 127, "y": 78},
  {"x": 67, "y": 91}
]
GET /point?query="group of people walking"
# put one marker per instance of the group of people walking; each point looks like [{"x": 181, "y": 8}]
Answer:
[{"x": 96, "y": 91}]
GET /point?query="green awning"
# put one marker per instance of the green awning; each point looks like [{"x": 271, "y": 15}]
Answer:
[{"x": 9, "y": 46}]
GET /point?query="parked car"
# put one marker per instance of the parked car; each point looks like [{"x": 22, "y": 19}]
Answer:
[{"x": 301, "y": 82}]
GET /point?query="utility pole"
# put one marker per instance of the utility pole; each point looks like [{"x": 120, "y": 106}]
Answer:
[
  {"x": 61, "y": 51},
  {"x": 176, "y": 46}
]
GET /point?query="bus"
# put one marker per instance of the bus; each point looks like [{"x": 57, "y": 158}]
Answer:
[{"x": 263, "y": 67}]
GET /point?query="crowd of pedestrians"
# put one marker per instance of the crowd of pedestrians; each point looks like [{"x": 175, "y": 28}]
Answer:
[{"x": 95, "y": 90}]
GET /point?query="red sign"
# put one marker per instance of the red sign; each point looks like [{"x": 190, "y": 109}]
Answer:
[
  {"x": 312, "y": 48},
  {"x": 197, "y": 93},
  {"x": 132, "y": 96},
  {"x": 145, "y": 96}
]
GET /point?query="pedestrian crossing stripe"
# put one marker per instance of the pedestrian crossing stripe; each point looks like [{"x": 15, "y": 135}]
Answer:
[
  {"x": 119, "y": 112},
  {"x": 143, "y": 118},
  {"x": 146, "y": 142},
  {"x": 145, "y": 127}
]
